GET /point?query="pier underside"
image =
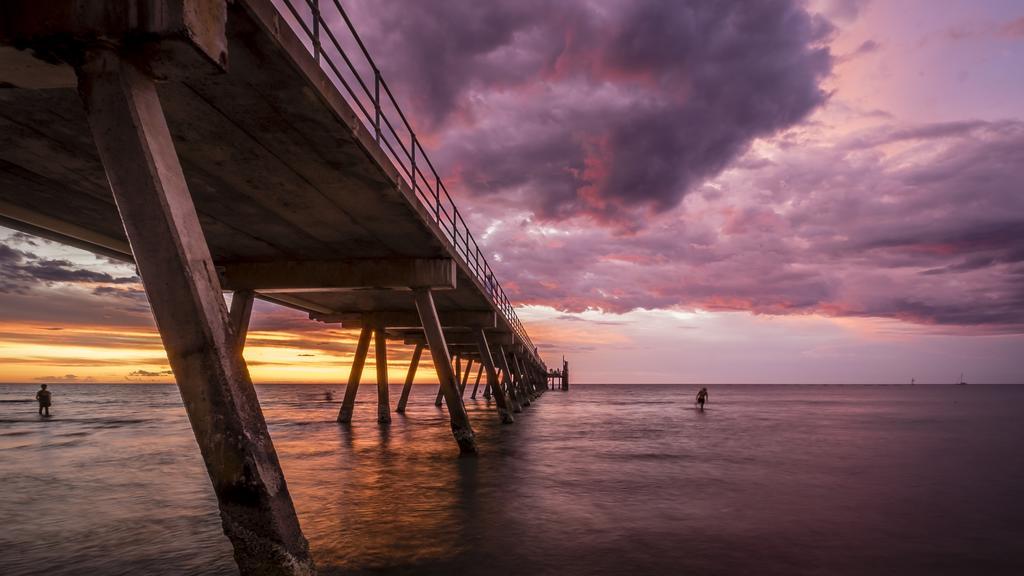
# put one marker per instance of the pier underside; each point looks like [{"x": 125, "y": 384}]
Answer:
[{"x": 201, "y": 140}]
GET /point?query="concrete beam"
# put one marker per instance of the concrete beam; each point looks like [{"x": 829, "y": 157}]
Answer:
[
  {"x": 160, "y": 220},
  {"x": 462, "y": 339},
  {"x": 66, "y": 232},
  {"x": 240, "y": 313},
  {"x": 168, "y": 39},
  {"x": 506, "y": 382},
  {"x": 408, "y": 319},
  {"x": 462, "y": 430},
  {"x": 380, "y": 347},
  {"x": 351, "y": 274},
  {"x": 409, "y": 377},
  {"x": 355, "y": 374},
  {"x": 487, "y": 362}
]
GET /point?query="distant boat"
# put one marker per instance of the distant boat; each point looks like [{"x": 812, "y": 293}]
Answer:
[{"x": 961, "y": 382}]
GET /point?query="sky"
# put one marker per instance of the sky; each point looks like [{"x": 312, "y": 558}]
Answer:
[{"x": 728, "y": 191}]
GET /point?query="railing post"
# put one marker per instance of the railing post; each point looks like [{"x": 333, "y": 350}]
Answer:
[
  {"x": 376, "y": 102},
  {"x": 315, "y": 6},
  {"x": 413, "y": 160},
  {"x": 437, "y": 198}
]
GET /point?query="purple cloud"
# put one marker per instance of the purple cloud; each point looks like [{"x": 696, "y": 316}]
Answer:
[
  {"x": 933, "y": 235},
  {"x": 615, "y": 110}
]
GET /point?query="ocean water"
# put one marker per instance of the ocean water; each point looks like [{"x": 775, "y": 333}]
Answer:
[{"x": 601, "y": 480}]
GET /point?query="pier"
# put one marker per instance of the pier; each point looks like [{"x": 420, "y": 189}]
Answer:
[{"x": 252, "y": 147}]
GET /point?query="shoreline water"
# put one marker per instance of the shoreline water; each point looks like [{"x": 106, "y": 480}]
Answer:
[{"x": 606, "y": 479}]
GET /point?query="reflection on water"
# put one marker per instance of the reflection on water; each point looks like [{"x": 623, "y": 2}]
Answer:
[{"x": 603, "y": 480}]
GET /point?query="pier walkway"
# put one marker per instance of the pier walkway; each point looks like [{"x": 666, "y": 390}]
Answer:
[{"x": 252, "y": 147}]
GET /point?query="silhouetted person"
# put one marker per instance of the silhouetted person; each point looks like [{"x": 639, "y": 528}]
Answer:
[
  {"x": 43, "y": 396},
  {"x": 328, "y": 396},
  {"x": 702, "y": 397}
]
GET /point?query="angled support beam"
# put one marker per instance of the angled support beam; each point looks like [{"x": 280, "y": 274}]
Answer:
[
  {"x": 479, "y": 373},
  {"x": 145, "y": 176},
  {"x": 506, "y": 379},
  {"x": 380, "y": 347},
  {"x": 465, "y": 377},
  {"x": 241, "y": 312},
  {"x": 487, "y": 363},
  {"x": 519, "y": 383},
  {"x": 487, "y": 385},
  {"x": 458, "y": 378},
  {"x": 461, "y": 428},
  {"x": 358, "y": 361},
  {"x": 350, "y": 274},
  {"x": 413, "y": 364}
]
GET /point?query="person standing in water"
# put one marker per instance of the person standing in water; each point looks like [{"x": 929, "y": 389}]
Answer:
[
  {"x": 702, "y": 397},
  {"x": 43, "y": 396}
]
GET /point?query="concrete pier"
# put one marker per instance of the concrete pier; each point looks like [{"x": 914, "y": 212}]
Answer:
[
  {"x": 210, "y": 143},
  {"x": 178, "y": 274}
]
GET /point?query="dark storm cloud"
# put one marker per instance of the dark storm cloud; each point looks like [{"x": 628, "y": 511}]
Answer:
[
  {"x": 611, "y": 109},
  {"x": 20, "y": 270},
  {"x": 65, "y": 271},
  {"x": 932, "y": 235}
]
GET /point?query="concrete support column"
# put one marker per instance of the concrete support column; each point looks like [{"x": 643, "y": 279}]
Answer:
[
  {"x": 160, "y": 220},
  {"x": 413, "y": 364},
  {"x": 520, "y": 382},
  {"x": 380, "y": 347},
  {"x": 457, "y": 364},
  {"x": 241, "y": 312},
  {"x": 506, "y": 379},
  {"x": 487, "y": 363},
  {"x": 461, "y": 428},
  {"x": 476, "y": 385},
  {"x": 358, "y": 361},
  {"x": 487, "y": 385},
  {"x": 465, "y": 377}
]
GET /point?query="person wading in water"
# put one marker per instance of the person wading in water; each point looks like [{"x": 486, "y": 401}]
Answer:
[
  {"x": 43, "y": 396},
  {"x": 702, "y": 397}
]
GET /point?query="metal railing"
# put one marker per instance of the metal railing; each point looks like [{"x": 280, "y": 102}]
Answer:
[{"x": 363, "y": 86}]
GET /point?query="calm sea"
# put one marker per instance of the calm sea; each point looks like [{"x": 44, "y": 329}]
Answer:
[{"x": 600, "y": 480}]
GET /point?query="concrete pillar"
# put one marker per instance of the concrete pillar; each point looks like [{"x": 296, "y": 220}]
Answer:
[
  {"x": 520, "y": 383},
  {"x": 506, "y": 378},
  {"x": 457, "y": 362},
  {"x": 476, "y": 385},
  {"x": 380, "y": 347},
  {"x": 465, "y": 377},
  {"x": 160, "y": 220},
  {"x": 413, "y": 364},
  {"x": 241, "y": 312},
  {"x": 487, "y": 386},
  {"x": 358, "y": 361},
  {"x": 487, "y": 363},
  {"x": 461, "y": 428}
]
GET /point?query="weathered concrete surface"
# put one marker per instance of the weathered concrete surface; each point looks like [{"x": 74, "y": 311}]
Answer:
[
  {"x": 462, "y": 430},
  {"x": 279, "y": 166},
  {"x": 165, "y": 38},
  {"x": 401, "y": 319},
  {"x": 487, "y": 363},
  {"x": 409, "y": 377},
  {"x": 241, "y": 312},
  {"x": 380, "y": 348},
  {"x": 351, "y": 274},
  {"x": 355, "y": 374},
  {"x": 177, "y": 271},
  {"x": 507, "y": 382}
]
